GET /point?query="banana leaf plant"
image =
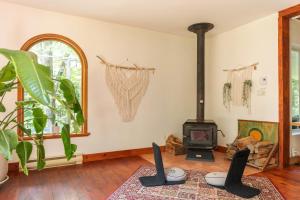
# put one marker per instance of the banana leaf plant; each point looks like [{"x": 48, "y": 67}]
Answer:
[{"x": 22, "y": 67}]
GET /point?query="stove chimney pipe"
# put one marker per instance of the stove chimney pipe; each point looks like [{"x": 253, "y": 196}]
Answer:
[{"x": 200, "y": 29}]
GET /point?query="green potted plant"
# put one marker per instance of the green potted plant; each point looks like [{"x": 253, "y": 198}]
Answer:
[
  {"x": 227, "y": 95},
  {"x": 23, "y": 68},
  {"x": 246, "y": 98}
]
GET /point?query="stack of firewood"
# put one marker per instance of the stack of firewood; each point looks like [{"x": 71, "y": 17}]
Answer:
[
  {"x": 259, "y": 151},
  {"x": 174, "y": 145}
]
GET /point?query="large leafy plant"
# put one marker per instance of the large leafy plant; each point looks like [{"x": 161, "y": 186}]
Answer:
[{"x": 23, "y": 68}]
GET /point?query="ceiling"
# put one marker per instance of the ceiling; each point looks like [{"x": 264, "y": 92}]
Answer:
[{"x": 170, "y": 16}]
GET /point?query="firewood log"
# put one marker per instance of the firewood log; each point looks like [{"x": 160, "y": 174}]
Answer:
[
  {"x": 250, "y": 156},
  {"x": 263, "y": 150},
  {"x": 251, "y": 147},
  {"x": 174, "y": 145},
  {"x": 263, "y": 144},
  {"x": 260, "y": 162},
  {"x": 243, "y": 142},
  {"x": 231, "y": 150},
  {"x": 258, "y": 156},
  {"x": 233, "y": 147},
  {"x": 251, "y": 161},
  {"x": 230, "y": 153},
  {"x": 174, "y": 139}
]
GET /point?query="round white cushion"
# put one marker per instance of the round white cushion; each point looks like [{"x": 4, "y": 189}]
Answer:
[
  {"x": 216, "y": 178},
  {"x": 175, "y": 174}
]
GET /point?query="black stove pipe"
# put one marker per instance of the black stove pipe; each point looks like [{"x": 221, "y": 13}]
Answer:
[{"x": 200, "y": 29}]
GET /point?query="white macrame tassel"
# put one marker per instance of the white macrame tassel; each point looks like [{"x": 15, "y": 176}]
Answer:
[{"x": 127, "y": 88}]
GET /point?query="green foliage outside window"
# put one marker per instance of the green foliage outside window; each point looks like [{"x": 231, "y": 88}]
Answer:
[
  {"x": 64, "y": 63},
  {"x": 295, "y": 64}
]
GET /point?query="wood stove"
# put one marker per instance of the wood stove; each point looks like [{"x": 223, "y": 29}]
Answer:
[
  {"x": 200, "y": 138},
  {"x": 199, "y": 135}
]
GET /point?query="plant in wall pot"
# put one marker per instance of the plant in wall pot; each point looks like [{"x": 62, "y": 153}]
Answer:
[
  {"x": 246, "y": 98},
  {"x": 36, "y": 80},
  {"x": 227, "y": 95}
]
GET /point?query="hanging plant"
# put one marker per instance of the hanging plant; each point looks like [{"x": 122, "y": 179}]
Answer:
[
  {"x": 246, "y": 98},
  {"x": 227, "y": 95}
]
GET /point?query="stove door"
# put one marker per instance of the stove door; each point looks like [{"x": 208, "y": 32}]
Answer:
[{"x": 201, "y": 136}]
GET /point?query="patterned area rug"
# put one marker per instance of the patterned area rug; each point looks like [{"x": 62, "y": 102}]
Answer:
[{"x": 195, "y": 188}]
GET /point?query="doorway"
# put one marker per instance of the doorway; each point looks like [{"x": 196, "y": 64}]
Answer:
[{"x": 289, "y": 85}]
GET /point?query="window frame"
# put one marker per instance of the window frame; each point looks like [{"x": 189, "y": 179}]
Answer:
[{"x": 84, "y": 83}]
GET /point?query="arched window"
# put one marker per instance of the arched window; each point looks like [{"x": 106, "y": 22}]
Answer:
[{"x": 65, "y": 59}]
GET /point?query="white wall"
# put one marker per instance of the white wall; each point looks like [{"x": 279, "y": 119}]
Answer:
[
  {"x": 245, "y": 45},
  {"x": 170, "y": 98}
]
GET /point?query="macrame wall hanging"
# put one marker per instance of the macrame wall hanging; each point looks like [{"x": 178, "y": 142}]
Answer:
[
  {"x": 237, "y": 90},
  {"x": 127, "y": 85}
]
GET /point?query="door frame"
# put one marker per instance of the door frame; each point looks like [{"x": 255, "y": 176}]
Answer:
[{"x": 284, "y": 82}]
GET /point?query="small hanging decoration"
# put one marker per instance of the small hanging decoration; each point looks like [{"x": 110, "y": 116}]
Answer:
[
  {"x": 247, "y": 93},
  {"x": 227, "y": 95},
  {"x": 237, "y": 90},
  {"x": 128, "y": 85}
]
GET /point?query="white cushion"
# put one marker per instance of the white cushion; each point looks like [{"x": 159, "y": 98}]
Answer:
[
  {"x": 175, "y": 174},
  {"x": 216, "y": 178}
]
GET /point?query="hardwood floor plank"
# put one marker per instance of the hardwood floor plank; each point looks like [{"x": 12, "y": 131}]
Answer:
[
  {"x": 287, "y": 181},
  {"x": 94, "y": 180},
  {"x": 97, "y": 180},
  {"x": 220, "y": 164}
]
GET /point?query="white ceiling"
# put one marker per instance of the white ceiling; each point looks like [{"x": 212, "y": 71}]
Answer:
[{"x": 171, "y": 16}]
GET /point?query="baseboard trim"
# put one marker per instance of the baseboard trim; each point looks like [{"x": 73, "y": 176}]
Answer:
[
  {"x": 221, "y": 149},
  {"x": 117, "y": 154},
  {"x": 13, "y": 167}
]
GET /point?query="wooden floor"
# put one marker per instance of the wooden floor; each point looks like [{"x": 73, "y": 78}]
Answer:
[
  {"x": 97, "y": 180},
  {"x": 92, "y": 181},
  {"x": 287, "y": 181},
  {"x": 220, "y": 164}
]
